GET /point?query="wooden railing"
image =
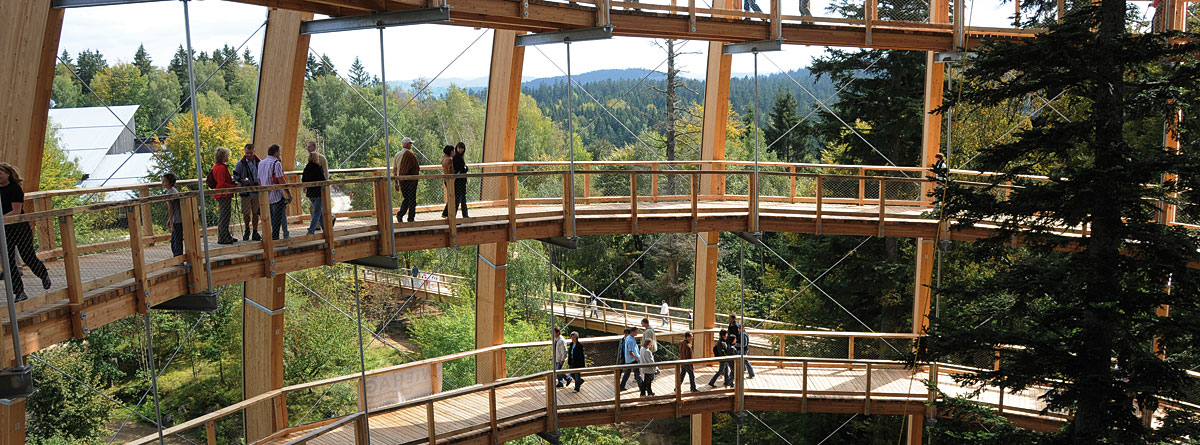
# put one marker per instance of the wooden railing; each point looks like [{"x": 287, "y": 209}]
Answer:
[{"x": 616, "y": 403}]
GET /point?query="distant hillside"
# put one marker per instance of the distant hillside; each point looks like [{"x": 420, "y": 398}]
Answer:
[
  {"x": 634, "y": 74},
  {"x": 641, "y": 103}
]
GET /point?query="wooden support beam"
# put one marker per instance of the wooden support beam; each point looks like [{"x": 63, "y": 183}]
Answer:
[
  {"x": 281, "y": 84},
  {"x": 12, "y": 420},
  {"x": 192, "y": 243},
  {"x": 931, "y": 135},
  {"x": 383, "y": 217},
  {"x": 262, "y": 346},
  {"x": 268, "y": 243},
  {"x": 138, "y": 254},
  {"x": 921, "y": 282},
  {"x": 327, "y": 225},
  {"x": 29, "y": 34},
  {"x": 490, "y": 297},
  {"x": 71, "y": 267}
]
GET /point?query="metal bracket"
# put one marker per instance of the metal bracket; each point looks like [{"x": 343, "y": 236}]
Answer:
[
  {"x": 83, "y": 322},
  {"x": 264, "y": 308},
  {"x": 491, "y": 264}
]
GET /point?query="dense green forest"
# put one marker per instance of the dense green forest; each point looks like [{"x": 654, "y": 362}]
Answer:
[{"x": 1027, "y": 299}]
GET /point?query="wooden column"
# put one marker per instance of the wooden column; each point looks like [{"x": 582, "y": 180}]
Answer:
[
  {"x": 935, "y": 82},
  {"x": 262, "y": 354},
  {"x": 921, "y": 282},
  {"x": 281, "y": 84},
  {"x": 715, "y": 123},
  {"x": 12, "y": 419},
  {"x": 29, "y": 32},
  {"x": 916, "y": 429},
  {"x": 499, "y": 145}
]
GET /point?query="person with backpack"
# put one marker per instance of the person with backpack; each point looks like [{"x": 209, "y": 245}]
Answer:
[
  {"x": 721, "y": 349},
  {"x": 245, "y": 174},
  {"x": 219, "y": 178}
]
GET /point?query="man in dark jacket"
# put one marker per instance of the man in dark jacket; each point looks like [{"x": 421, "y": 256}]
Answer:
[
  {"x": 576, "y": 359},
  {"x": 245, "y": 174},
  {"x": 721, "y": 349},
  {"x": 685, "y": 353},
  {"x": 406, "y": 164}
]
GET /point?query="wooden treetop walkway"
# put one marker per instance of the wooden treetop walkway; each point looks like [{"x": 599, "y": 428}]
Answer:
[{"x": 123, "y": 267}]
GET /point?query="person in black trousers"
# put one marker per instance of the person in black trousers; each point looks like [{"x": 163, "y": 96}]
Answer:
[
  {"x": 685, "y": 353},
  {"x": 721, "y": 349},
  {"x": 19, "y": 236},
  {"x": 576, "y": 360},
  {"x": 460, "y": 184}
]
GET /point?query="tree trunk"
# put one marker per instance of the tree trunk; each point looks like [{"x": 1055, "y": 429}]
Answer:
[{"x": 672, "y": 112}]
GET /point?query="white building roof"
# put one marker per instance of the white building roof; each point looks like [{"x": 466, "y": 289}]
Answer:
[{"x": 87, "y": 134}]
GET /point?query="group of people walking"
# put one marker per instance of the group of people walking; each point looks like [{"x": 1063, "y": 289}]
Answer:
[{"x": 731, "y": 341}]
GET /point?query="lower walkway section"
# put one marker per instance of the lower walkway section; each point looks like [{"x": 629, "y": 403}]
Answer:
[{"x": 518, "y": 407}]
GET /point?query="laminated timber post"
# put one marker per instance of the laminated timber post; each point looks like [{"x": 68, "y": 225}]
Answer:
[
  {"x": 924, "y": 278},
  {"x": 935, "y": 81},
  {"x": 499, "y": 145},
  {"x": 29, "y": 33},
  {"x": 262, "y": 352},
  {"x": 712, "y": 148},
  {"x": 277, "y": 117},
  {"x": 281, "y": 84}
]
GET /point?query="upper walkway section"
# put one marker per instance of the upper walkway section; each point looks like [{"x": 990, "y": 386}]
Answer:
[
  {"x": 109, "y": 259},
  {"x": 908, "y": 27}
]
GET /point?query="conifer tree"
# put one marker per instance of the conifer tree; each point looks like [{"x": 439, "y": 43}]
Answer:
[
  {"x": 1083, "y": 310},
  {"x": 141, "y": 59}
]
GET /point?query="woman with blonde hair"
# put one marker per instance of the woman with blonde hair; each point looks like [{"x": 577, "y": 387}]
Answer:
[
  {"x": 313, "y": 172},
  {"x": 224, "y": 180},
  {"x": 18, "y": 235}
]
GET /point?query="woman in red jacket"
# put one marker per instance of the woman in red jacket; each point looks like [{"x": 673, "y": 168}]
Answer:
[{"x": 220, "y": 172}]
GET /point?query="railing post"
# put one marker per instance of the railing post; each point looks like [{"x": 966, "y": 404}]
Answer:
[
  {"x": 678, "y": 389},
  {"x": 45, "y": 227},
  {"x": 820, "y": 193},
  {"x": 383, "y": 216},
  {"x": 268, "y": 243},
  {"x": 432, "y": 427},
  {"x": 511, "y": 184},
  {"x": 495, "y": 427},
  {"x": 451, "y": 209},
  {"x": 1000, "y": 404},
  {"x": 776, "y": 20},
  {"x": 862, "y": 183},
  {"x": 568, "y": 204},
  {"x": 654, "y": 182},
  {"x": 633, "y": 200},
  {"x": 804, "y": 387},
  {"x": 695, "y": 178},
  {"x": 740, "y": 382},
  {"x": 850, "y": 349},
  {"x": 587, "y": 184},
  {"x": 782, "y": 348},
  {"x": 66, "y": 225},
  {"x": 792, "y": 178},
  {"x": 191, "y": 243},
  {"x": 551, "y": 402},
  {"x": 360, "y": 430},
  {"x": 882, "y": 205},
  {"x": 867, "y": 402},
  {"x": 147, "y": 223},
  {"x": 617, "y": 396},
  {"x": 752, "y": 224},
  {"x": 210, "y": 432},
  {"x": 327, "y": 224}
]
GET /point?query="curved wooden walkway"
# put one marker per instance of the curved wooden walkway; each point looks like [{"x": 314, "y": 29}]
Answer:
[{"x": 99, "y": 283}]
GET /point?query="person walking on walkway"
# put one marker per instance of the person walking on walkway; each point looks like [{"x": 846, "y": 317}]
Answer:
[
  {"x": 559, "y": 346},
  {"x": 720, "y": 349},
  {"x": 174, "y": 220},
  {"x": 738, "y": 345},
  {"x": 649, "y": 335},
  {"x": 19, "y": 236},
  {"x": 576, "y": 359},
  {"x": 270, "y": 172},
  {"x": 632, "y": 356},
  {"x": 685, "y": 353},
  {"x": 734, "y": 328},
  {"x": 621, "y": 347},
  {"x": 314, "y": 173},
  {"x": 594, "y": 302},
  {"x": 220, "y": 174},
  {"x": 665, "y": 311},
  {"x": 405, "y": 164},
  {"x": 245, "y": 174},
  {"x": 649, "y": 370}
]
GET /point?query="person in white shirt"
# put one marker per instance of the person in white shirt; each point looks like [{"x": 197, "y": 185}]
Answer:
[
  {"x": 649, "y": 335},
  {"x": 665, "y": 311},
  {"x": 560, "y": 356},
  {"x": 649, "y": 370}
]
